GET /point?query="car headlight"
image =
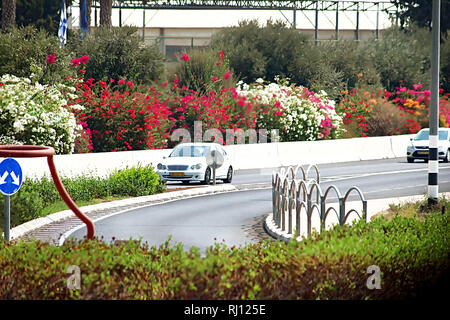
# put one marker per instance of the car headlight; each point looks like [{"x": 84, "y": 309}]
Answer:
[
  {"x": 410, "y": 148},
  {"x": 160, "y": 166},
  {"x": 196, "y": 166}
]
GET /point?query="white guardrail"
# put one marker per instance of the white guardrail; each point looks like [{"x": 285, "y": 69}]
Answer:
[{"x": 244, "y": 156}]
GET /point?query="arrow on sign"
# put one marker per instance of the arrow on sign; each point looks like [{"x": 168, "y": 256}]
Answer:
[
  {"x": 3, "y": 177},
  {"x": 16, "y": 180}
]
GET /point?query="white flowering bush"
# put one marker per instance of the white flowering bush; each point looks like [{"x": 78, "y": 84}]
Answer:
[
  {"x": 36, "y": 114},
  {"x": 298, "y": 114}
]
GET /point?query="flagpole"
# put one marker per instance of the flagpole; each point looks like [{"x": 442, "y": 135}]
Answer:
[{"x": 62, "y": 30}]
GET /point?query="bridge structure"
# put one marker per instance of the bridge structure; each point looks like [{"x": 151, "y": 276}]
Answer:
[{"x": 296, "y": 6}]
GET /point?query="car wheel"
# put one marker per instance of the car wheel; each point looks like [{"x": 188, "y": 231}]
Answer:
[
  {"x": 229, "y": 175},
  {"x": 410, "y": 160},
  {"x": 446, "y": 156},
  {"x": 207, "y": 178}
]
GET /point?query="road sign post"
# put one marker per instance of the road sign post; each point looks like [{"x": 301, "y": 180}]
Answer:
[
  {"x": 7, "y": 216},
  {"x": 10, "y": 182}
]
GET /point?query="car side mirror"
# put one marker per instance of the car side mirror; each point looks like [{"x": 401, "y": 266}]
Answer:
[
  {"x": 164, "y": 157},
  {"x": 410, "y": 139}
]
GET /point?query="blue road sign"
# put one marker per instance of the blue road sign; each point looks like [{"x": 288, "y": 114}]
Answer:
[{"x": 10, "y": 176}]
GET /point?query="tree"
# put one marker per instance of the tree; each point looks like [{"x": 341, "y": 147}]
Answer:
[
  {"x": 8, "y": 14},
  {"x": 43, "y": 14},
  {"x": 105, "y": 13},
  {"x": 419, "y": 12}
]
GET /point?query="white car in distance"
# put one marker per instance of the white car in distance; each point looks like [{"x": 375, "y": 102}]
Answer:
[
  {"x": 187, "y": 162},
  {"x": 419, "y": 149}
]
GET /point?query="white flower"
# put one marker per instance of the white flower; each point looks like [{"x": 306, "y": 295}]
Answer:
[{"x": 35, "y": 113}]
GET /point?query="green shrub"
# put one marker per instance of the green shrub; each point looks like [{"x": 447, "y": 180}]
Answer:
[
  {"x": 24, "y": 53},
  {"x": 118, "y": 53},
  {"x": 257, "y": 51},
  {"x": 137, "y": 181},
  {"x": 350, "y": 59},
  {"x": 309, "y": 70},
  {"x": 402, "y": 57},
  {"x": 413, "y": 256},
  {"x": 36, "y": 194},
  {"x": 204, "y": 71},
  {"x": 445, "y": 64}
]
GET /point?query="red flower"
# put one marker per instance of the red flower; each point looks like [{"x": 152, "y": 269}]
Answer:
[
  {"x": 227, "y": 75},
  {"x": 184, "y": 57},
  {"x": 84, "y": 59},
  {"x": 130, "y": 84},
  {"x": 51, "y": 58},
  {"x": 121, "y": 81},
  {"x": 221, "y": 55},
  {"x": 214, "y": 79}
]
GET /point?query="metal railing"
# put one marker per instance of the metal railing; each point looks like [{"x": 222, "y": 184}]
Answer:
[{"x": 294, "y": 199}]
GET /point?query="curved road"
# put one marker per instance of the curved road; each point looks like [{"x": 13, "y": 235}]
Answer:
[{"x": 229, "y": 217}]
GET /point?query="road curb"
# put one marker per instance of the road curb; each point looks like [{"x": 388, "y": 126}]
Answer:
[
  {"x": 27, "y": 227},
  {"x": 373, "y": 207}
]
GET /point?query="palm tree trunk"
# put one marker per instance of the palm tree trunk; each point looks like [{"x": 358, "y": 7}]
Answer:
[
  {"x": 8, "y": 14},
  {"x": 105, "y": 13}
]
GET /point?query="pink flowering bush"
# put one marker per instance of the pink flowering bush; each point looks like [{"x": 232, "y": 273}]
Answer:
[{"x": 416, "y": 102}]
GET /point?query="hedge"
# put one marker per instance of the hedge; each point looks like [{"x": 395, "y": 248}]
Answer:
[{"x": 412, "y": 253}]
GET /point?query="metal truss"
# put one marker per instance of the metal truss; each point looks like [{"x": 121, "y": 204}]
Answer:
[{"x": 303, "y": 5}]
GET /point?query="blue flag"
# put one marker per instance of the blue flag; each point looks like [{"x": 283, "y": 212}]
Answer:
[
  {"x": 83, "y": 20},
  {"x": 62, "y": 31}
]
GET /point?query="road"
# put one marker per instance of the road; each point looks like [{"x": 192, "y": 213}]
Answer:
[{"x": 229, "y": 217}]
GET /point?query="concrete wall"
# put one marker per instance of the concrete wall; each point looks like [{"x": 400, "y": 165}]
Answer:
[{"x": 248, "y": 156}]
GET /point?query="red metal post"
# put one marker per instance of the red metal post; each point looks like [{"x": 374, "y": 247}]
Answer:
[{"x": 27, "y": 151}]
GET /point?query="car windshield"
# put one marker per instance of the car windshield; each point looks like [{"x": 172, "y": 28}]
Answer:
[
  {"x": 190, "y": 151},
  {"x": 424, "y": 135}
]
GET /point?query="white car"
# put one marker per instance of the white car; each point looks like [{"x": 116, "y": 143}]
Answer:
[
  {"x": 418, "y": 149},
  {"x": 187, "y": 162}
]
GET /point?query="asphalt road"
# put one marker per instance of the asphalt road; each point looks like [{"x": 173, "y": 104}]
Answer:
[{"x": 229, "y": 217}]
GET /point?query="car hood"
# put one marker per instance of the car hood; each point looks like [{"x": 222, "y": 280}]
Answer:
[
  {"x": 424, "y": 143},
  {"x": 184, "y": 160}
]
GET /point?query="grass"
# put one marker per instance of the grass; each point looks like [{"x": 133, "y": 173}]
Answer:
[{"x": 415, "y": 210}]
